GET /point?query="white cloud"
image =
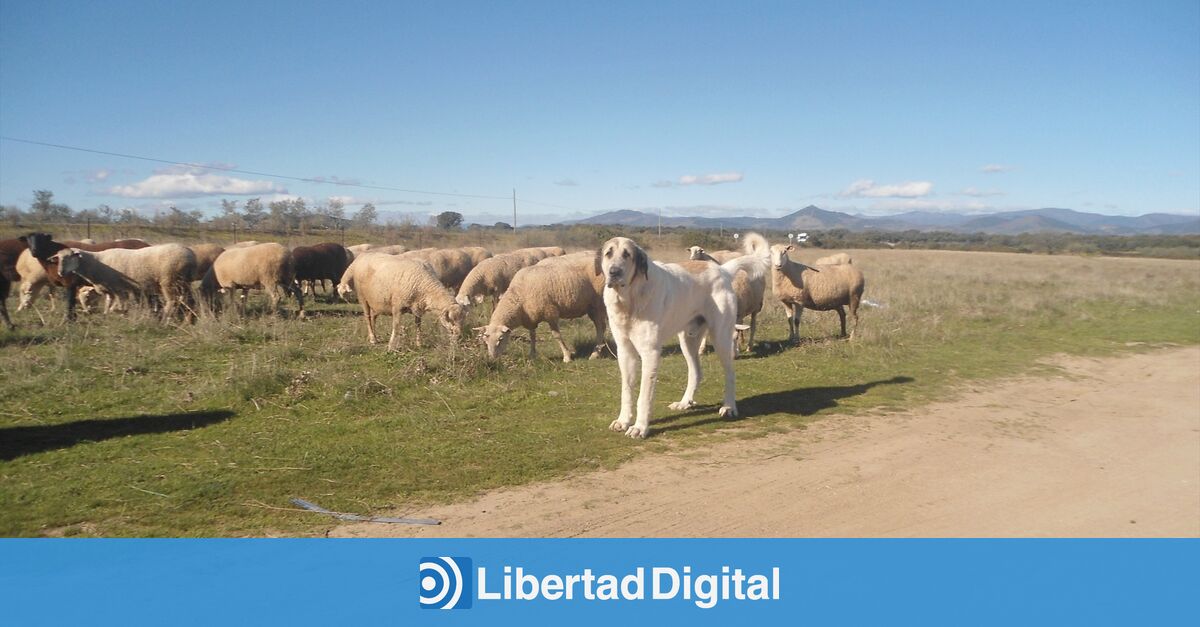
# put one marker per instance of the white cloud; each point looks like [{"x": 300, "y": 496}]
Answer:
[
  {"x": 981, "y": 193},
  {"x": 710, "y": 179},
  {"x": 996, "y": 168},
  {"x": 866, "y": 188},
  {"x": 662, "y": 183},
  {"x": 567, "y": 182},
  {"x": 193, "y": 185}
]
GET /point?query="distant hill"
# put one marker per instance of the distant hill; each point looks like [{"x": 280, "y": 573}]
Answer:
[{"x": 812, "y": 218}]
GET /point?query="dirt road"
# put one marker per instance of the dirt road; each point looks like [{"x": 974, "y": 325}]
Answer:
[{"x": 1111, "y": 447}]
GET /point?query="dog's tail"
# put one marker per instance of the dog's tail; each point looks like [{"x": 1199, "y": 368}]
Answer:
[{"x": 756, "y": 260}]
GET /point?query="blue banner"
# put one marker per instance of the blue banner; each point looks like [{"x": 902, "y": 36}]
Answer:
[{"x": 489, "y": 581}]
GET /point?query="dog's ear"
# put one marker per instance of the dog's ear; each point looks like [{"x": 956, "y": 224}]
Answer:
[
  {"x": 596, "y": 268},
  {"x": 641, "y": 263}
]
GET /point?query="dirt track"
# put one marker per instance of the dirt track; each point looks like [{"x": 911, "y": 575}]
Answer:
[{"x": 1109, "y": 448}]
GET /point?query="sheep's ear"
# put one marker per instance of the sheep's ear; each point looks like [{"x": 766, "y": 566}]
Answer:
[
  {"x": 790, "y": 247},
  {"x": 504, "y": 329},
  {"x": 641, "y": 263}
]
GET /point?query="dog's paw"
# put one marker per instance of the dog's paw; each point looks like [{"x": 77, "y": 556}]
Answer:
[
  {"x": 617, "y": 425},
  {"x": 682, "y": 405},
  {"x": 727, "y": 412},
  {"x": 636, "y": 432}
]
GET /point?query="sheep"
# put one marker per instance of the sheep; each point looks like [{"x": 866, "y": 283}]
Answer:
[
  {"x": 696, "y": 253},
  {"x": 548, "y": 292},
  {"x": 819, "y": 288},
  {"x": 206, "y": 254},
  {"x": 320, "y": 262},
  {"x": 451, "y": 266},
  {"x": 165, "y": 271},
  {"x": 89, "y": 298},
  {"x": 833, "y": 260},
  {"x": 10, "y": 252},
  {"x": 491, "y": 278},
  {"x": 33, "y": 280},
  {"x": 385, "y": 283},
  {"x": 394, "y": 249},
  {"x": 42, "y": 246},
  {"x": 749, "y": 285},
  {"x": 359, "y": 248},
  {"x": 246, "y": 244},
  {"x": 263, "y": 266},
  {"x": 477, "y": 253}
]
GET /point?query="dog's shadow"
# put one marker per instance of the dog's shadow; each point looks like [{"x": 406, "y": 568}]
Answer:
[{"x": 797, "y": 402}]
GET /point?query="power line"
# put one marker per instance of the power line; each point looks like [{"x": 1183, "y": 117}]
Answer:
[{"x": 268, "y": 174}]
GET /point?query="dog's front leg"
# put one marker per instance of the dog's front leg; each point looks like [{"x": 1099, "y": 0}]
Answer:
[
  {"x": 627, "y": 359},
  {"x": 650, "y": 359}
]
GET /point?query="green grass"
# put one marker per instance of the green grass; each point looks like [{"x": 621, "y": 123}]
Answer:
[{"x": 118, "y": 426}]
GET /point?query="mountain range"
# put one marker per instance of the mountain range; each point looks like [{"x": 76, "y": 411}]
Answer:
[{"x": 812, "y": 218}]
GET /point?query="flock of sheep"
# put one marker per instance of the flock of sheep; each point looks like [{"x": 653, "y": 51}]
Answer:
[{"x": 527, "y": 287}]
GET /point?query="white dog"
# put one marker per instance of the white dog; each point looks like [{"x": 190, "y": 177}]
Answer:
[{"x": 647, "y": 302}]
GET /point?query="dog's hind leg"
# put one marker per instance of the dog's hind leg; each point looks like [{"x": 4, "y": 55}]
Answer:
[{"x": 690, "y": 345}]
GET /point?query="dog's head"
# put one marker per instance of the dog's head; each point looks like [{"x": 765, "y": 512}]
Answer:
[{"x": 620, "y": 260}]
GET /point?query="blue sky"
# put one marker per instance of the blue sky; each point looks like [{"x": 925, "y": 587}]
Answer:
[{"x": 709, "y": 108}]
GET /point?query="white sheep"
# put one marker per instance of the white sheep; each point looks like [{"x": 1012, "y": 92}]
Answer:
[
  {"x": 451, "y": 265},
  {"x": 696, "y": 253},
  {"x": 833, "y": 260},
  {"x": 165, "y": 271},
  {"x": 267, "y": 267},
  {"x": 33, "y": 280},
  {"x": 206, "y": 254},
  {"x": 749, "y": 285},
  {"x": 389, "y": 284},
  {"x": 245, "y": 244},
  {"x": 570, "y": 287},
  {"x": 820, "y": 288},
  {"x": 477, "y": 253},
  {"x": 491, "y": 277}
]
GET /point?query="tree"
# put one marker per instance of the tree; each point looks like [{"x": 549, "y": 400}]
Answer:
[
  {"x": 503, "y": 226},
  {"x": 44, "y": 209},
  {"x": 365, "y": 217},
  {"x": 449, "y": 220},
  {"x": 11, "y": 213},
  {"x": 279, "y": 215},
  {"x": 253, "y": 214}
]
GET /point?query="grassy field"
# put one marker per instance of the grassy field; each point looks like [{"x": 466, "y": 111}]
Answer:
[{"x": 118, "y": 426}]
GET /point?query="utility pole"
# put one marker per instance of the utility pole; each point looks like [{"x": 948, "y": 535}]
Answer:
[
  {"x": 660, "y": 221},
  {"x": 514, "y": 211}
]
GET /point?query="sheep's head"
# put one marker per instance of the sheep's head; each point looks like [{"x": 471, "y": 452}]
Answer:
[
  {"x": 453, "y": 319},
  {"x": 779, "y": 254},
  {"x": 68, "y": 260},
  {"x": 343, "y": 289},
  {"x": 621, "y": 260},
  {"x": 41, "y": 245},
  {"x": 89, "y": 298},
  {"x": 495, "y": 337},
  {"x": 695, "y": 252}
]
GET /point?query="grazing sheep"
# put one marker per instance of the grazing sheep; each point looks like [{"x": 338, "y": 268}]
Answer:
[
  {"x": 320, "y": 262},
  {"x": 164, "y": 271},
  {"x": 89, "y": 299},
  {"x": 819, "y": 288},
  {"x": 263, "y": 266},
  {"x": 206, "y": 254},
  {"x": 548, "y": 292},
  {"x": 833, "y": 260},
  {"x": 394, "y": 249},
  {"x": 491, "y": 278},
  {"x": 450, "y": 265},
  {"x": 388, "y": 284},
  {"x": 42, "y": 246},
  {"x": 696, "y": 253},
  {"x": 33, "y": 281},
  {"x": 246, "y": 244},
  {"x": 358, "y": 249},
  {"x": 477, "y": 253}
]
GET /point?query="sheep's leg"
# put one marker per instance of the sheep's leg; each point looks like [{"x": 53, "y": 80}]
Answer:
[
  {"x": 600, "y": 320},
  {"x": 703, "y": 343},
  {"x": 753, "y": 327},
  {"x": 690, "y": 346},
  {"x": 650, "y": 361},
  {"x": 394, "y": 340},
  {"x": 723, "y": 342},
  {"x": 300, "y": 304},
  {"x": 854, "y": 301},
  {"x": 842, "y": 316},
  {"x": 794, "y": 323},
  {"x": 533, "y": 343},
  {"x": 627, "y": 360},
  {"x": 417, "y": 324},
  {"x": 561, "y": 344},
  {"x": 29, "y": 292},
  {"x": 369, "y": 314},
  {"x": 4, "y": 288}
]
